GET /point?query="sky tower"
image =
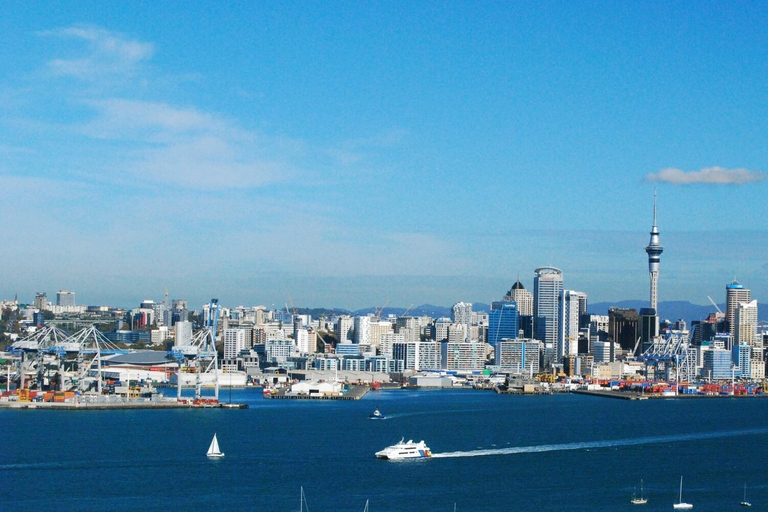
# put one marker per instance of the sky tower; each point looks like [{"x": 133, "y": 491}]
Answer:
[{"x": 654, "y": 251}]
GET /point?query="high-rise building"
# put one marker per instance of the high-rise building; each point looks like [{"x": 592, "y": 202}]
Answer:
[
  {"x": 503, "y": 323},
  {"x": 746, "y": 323},
  {"x": 654, "y": 250},
  {"x": 65, "y": 298},
  {"x": 735, "y": 294},
  {"x": 363, "y": 330},
  {"x": 622, "y": 327},
  {"x": 522, "y": 297},
  {"x": 41, "y": 301},
  {"x": 344, "y": 327},
  {"x": 547, "y": 285},
  {"x": 520, "y": 356},
  {"x": 461, "y": 313},
  {"x": 234, "y": 342},
  {"x": 183, "y": 333},
  {"x": 569, "y": 308},
  {"x": 649, "y": 328}
]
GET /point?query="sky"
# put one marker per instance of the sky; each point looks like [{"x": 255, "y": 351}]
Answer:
[{"x": 350, "y": 154}]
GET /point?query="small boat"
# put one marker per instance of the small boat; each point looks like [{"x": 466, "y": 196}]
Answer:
[
  {"x": 745, "y": 503},
  {"x": 401, "y": 450},
  {"x": 213, "y": 450},
  {"x": 641, "y": 500},
  {"x": 681, "y": 505},
  {"x": 376, "y": 415}
]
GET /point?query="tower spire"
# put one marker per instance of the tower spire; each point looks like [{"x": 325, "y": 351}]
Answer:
[{"x": 654, "y": 250}]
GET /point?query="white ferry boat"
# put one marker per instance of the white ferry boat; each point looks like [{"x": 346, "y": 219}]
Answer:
[{"x": 409, "y": 450}]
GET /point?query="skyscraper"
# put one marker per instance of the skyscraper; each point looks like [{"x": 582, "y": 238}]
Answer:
[
  {"x": 547, "y": 285},
  {"x": 502, "y": 323},
  {"x": 568, "y": 323},
  {"x": 654, "y": 250},
  {"x": 735, "y": 294},
  {"x": 746, "y": 323},
  {"x": 523, "y": 297},
  {"x": 65, "y": 298}
]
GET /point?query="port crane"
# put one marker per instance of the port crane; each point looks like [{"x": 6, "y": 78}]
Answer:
[
  {"x": 200, "y": 353},
  {"x": 668, "y": 354}
]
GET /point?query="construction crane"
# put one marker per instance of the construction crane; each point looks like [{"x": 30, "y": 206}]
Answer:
[
  {"x": 715, "y": 304},
  {"x": 378, "y": 312},
  {"x": 405, "y": 313}
]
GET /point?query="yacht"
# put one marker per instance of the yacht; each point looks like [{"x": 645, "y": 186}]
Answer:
[
  {"x": 681, "y": 505},
  {"x": 213, "y": 451},
  {"x": 641, "y": 500},
  {"x": 409, "y": 450}
]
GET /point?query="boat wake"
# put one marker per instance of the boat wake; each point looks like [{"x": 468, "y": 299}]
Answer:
[{"x": 600, "y": 444}]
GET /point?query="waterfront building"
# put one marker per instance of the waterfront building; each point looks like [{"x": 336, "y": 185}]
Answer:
[
  {"x": 522, "y": 297},
  {"x": 654, "y": 250},
  {"x": 408, "y": 353},
  {"x": 547, "y": 285},
  {"x": 742, "y": 358},
  {"x": 463, "y": 356},
  {"x": 746, "y": 323},
  {"x": 429, "y": 355},
  {"x": 503, "y": 323},
  {"x": 65, "y": 298},
  {"x": 519, "y": 356},
  {"x": 376, "y": 364},
  {"x": 716, "y": 364},
  {"x": 235, "y": 340},
  {"x": 326, "y": 363},
  {"x": 735, "y": 294},
  {"x": 569, "y": 309}
]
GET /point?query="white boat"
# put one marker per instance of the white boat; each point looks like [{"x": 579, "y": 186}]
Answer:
[
  {"x": 401, "y": 450},
  {"x": 376, "y": 415},
  {"x": 641, "y": 500},
  {"x": 213, "y": 450},
  {"x": 681, "y": 505},
  {"x": 745, "y": 503}
]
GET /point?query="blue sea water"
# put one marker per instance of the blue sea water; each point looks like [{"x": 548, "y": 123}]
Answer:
[{"x": 492, "y": 453}]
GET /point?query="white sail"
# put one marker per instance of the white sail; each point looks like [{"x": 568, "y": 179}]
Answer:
[{"x": 213, "y": 450}]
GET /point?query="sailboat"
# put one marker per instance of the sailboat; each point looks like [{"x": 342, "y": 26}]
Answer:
[
  {"x": 213, "y": 450},
  {"x": 641, "y": 500},
  {"x": 745, "y": 503},
  {"x": 680, "y": 505}
]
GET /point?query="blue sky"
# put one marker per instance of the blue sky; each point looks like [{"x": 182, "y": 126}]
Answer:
[{"x": 345, "y": 154}]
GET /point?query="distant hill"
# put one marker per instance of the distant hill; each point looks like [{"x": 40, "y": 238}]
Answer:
[{"x": 668, "y": 310}]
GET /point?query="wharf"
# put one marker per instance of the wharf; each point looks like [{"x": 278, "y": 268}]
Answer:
[
  {"x": 621, "y": 395},
  {"x": 102, "y": 406},
  {"x": 354, "y": 393},
  {"x": 630, "y": 395}
]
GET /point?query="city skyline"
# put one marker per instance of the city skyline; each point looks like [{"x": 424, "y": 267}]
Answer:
[{"x": 345, "y": 157}]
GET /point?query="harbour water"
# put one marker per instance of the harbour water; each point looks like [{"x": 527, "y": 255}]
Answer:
[{"x": 491, "y": 452}]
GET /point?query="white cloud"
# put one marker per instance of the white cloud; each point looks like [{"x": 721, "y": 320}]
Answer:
[
  {"x": 108, "y": 53},
  {"x": 190, "y": 148},
  {"x": 708, "y": 175}
]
